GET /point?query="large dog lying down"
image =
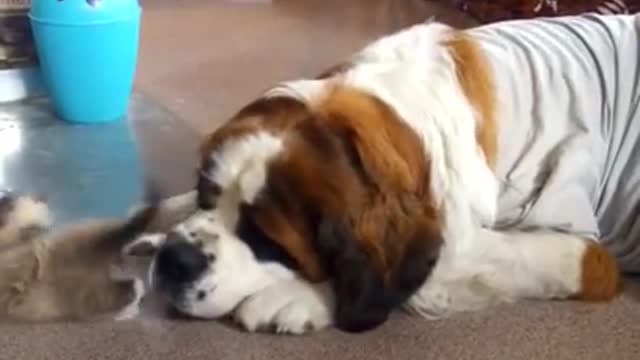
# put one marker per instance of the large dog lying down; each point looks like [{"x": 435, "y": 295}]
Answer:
[{"x": 438, "y": 170}]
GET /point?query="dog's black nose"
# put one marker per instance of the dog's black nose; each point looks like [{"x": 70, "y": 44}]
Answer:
[{"x": 179, "y": 263}]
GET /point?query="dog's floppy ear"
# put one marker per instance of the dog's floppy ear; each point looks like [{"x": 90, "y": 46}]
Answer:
[
  {"x": 376, "y": 263},
  {"x": 382, "y": 241},
  {"x": 358, "y": 287}
]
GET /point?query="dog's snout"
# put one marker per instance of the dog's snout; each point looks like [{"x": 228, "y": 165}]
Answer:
[{"x": 179, "y": 262}]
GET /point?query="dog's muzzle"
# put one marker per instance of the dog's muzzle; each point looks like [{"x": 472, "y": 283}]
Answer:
[{"x": 178, "y": 265}]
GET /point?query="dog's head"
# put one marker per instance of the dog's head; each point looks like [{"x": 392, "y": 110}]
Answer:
[
  {"x": 205, "y": 269},
  {"x": 336, "y": 188}
]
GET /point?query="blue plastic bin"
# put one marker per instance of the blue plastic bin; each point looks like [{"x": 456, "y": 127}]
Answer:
[{"x": 87, "y": 51}]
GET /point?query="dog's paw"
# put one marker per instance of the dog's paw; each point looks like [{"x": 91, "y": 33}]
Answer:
[
  {"x": 288, "y": 307},
  {"x": 440, "y": 299}
]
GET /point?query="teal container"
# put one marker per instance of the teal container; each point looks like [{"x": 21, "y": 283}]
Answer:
[{"x": 87, "y": 51}]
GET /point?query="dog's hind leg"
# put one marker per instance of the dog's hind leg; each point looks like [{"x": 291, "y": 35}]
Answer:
[{"x": 509, "y": 266}]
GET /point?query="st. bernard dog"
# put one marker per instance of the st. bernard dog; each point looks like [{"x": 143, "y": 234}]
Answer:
[{"x": 438, "y": 170}]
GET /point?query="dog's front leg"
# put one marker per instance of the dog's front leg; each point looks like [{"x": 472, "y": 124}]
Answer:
[{"x": 292, "y": 306}]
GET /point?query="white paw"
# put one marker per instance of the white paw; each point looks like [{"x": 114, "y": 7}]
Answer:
[
  {"x": 287, "y": 307},
  {"x": 431, "y": 302},
  {"x": 439, "y": 299}
]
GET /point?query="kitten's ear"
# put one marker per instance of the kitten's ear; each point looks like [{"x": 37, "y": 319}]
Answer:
[{"x": 145, "y": 245}]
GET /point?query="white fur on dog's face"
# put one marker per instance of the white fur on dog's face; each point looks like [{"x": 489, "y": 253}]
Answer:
[{"x": 233, "y": 273}]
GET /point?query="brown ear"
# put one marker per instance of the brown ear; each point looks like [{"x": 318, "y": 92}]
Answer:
[
  {"x": 382, "y": 242},
  {"x": 314, "y": 177},
  {"x": 377, "y": 259},
  {"x": 388, "y": 150},
  {"x": 279, "y": 225},
  {"x": 273, "y": 114}
]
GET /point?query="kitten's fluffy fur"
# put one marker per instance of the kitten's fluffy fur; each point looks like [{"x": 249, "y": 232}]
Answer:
[{"x": 62, "y": 274}]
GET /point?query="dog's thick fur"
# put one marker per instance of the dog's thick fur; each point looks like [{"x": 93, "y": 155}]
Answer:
[{"x": 384, "y": 178}]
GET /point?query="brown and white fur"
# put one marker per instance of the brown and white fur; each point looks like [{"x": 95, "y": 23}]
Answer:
[{"x": 335, "y": 200}]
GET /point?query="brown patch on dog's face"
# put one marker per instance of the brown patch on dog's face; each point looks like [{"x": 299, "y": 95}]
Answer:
[{"x": 276, "y": 115}]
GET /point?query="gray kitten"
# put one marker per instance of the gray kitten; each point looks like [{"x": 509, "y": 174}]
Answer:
[{"x": 62, "y": 274}]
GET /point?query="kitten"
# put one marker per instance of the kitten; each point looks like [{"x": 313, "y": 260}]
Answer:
[{"x": 66, "y": 273}]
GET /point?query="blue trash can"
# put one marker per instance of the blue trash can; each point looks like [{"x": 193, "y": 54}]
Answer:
[{"x": 87, "y": 51}]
